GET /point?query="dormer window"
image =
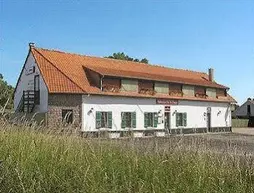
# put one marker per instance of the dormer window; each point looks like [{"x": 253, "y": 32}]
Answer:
[
  {"x": 129, "y": 85},
  {"x": 221, "y": 93},
  {"x": 111, "y": 84},
  {"x": 146, "y": 87},
  {"x": 162, "y": 88},
  {"x": 175, "y": 89},
  {"x": 200, "y": 92}
]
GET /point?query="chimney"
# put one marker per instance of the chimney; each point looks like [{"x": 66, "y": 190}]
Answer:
[
  {"x": 211, "y": 74},
  {"x": 31, "y": 45}
]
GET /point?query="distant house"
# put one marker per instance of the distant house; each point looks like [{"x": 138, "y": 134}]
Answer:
[
  {"x": 101, "y": 94},
  {"x": 246, "y": 110}
]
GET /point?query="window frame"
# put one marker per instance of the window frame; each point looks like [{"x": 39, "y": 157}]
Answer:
[
  {"x": 154, "y": 122},
  {"x": 70, "y": 116},
  {"x": 131, "y": 83},
  {"x": 160, "y": 86},
  {"x": 132, "y": 119},
  {"x": 98, "y": 120},
  {"x": 182, "y": 121},
  {"x": 199, "y": 91},
  {"x": 104, "y": 120}
]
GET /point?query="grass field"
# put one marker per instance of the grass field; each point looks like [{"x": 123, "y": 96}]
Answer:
[{"x": 37, "y": 161}]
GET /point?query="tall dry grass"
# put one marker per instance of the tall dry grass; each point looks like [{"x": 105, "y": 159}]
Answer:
[{"x": 35, "y": 160}]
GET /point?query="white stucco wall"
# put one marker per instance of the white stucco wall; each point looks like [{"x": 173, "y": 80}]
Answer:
[
  {"x": 196, "y": 112},
  {"x": 242, "y": 110},
  {"x": 26, "y": 82}
]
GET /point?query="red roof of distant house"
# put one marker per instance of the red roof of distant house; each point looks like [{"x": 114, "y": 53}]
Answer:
[{"x": 64, "y": 73}]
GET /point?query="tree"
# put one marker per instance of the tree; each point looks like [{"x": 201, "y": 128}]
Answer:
[
  {"x": 6, "y": 93},
  {"x": 123, "y": 56},
  {"x": 144, "y": 60}
]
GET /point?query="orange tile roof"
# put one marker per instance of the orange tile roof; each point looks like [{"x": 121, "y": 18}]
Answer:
[
  {"x": 64, "y": 73},
  {"x": 170, "y": 77}
]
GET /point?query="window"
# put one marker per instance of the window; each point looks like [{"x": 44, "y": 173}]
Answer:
[
  {"x": 188, "y": 90},
  {"x": 111, "y": 84},
  {"x": 151, "y": 119},
  {"x": 129, "y": 85},
  {"x": 175, "y": 89},
  {"x": 128, "y": 120},
  {"x": 30, "y": 70},
  {"x": 211, "y": 92},
  {"x": 200, "y": 92},
  {"x": 248, "y": 110},
  {"x": 146, "y": 87},
  {"x": 161, "y": 87},
  {"x": 221, "y": 93},
  {"x": 67, "y": 116},
  {"x": 103, "y": 120},
  {"x": 181, "y": 119}
]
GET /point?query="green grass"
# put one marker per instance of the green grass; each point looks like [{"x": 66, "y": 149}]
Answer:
[{"x": 34, "y": 161}]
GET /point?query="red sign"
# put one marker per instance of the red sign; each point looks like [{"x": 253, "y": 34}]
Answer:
[{"x": 166, "y": 102}]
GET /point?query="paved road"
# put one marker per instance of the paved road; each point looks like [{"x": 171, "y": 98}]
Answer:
[
  {"x": 236, "y": 143},
  {"x": 248, "y": 131}
]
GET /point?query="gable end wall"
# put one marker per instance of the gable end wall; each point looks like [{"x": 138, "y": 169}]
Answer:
[
  {"x": 242, "y": 110},
  {"x": 26, "y": 82}
]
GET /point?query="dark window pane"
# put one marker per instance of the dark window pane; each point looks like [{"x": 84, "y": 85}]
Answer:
[
  {"x": 248, "y": 110},
  {"x": 181, "y": 119},
  {"x": 67, "y": 116},
  {"x": 151, "y": 119},
  {"x": 126, "y": 120},
  {"x": 104, "y": 119}
]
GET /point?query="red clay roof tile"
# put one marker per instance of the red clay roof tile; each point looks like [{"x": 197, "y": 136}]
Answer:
[{"x": 64, "y": 73}]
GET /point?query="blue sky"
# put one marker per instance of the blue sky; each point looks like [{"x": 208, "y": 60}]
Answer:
[{"x": 192, "y": 35}]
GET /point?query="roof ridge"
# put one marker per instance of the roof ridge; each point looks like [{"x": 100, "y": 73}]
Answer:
[
  {"x": 112, "y": 59},
  {"x": 58, "y": 69}
]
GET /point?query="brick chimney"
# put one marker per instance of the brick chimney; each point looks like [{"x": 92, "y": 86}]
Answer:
[{"x": 211, "y": 74}]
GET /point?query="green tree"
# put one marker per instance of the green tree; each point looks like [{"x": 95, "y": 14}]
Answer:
[
  {"x": 6, "y": 93},
  {"x": 144, "y": 60},
  {"x": 123, "y": 56}
]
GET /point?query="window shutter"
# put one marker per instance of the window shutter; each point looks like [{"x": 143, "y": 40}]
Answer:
[
  {"x": 123, "y": 123},
  {"x": 177, "y": 119},
  {"x": 110, "y": 120},
  {"x": 185, "y": 119},
  {"x": 146, "y": 120},
  {"x": 98, "y": 120},
  {"x": 155, "y": 118},
  {"x": 133, "y": 119}
]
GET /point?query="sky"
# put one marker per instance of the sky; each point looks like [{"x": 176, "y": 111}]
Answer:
[{"x": 194, "y": 35}]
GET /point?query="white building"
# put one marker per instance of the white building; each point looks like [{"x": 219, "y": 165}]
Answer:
[{"x": 119, "y": 96}]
